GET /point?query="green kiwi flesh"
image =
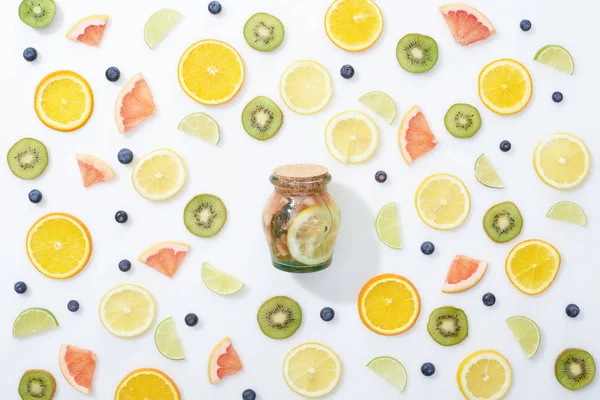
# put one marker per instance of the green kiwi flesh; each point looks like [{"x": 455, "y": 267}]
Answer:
[
  {"x": 279, "y": 317},
  {"x": 262, "y": 118},
  {"x": 205, "y": 215},
  {"x": 503, "y": 222},
  {"x": 462, "y": 120},
  {"x": 37, "y": 13},
  {"x": 448, "y": 326},
  {"x": 37, "y": 384},
  {"x": 575, "y": 369},
  {"x": 27, "y": 158},
  {"x": 417, "y": 53},
  {"x": 264, "y": 32}
]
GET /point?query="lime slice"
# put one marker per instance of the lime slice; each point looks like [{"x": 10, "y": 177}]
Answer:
[
  {"x": 567, "y": 211},
  {"x": 32, "y": 321},
  {"x": 388, "y": 228},
  {"x": 556, "y": 57},
  {"x": 202, "y": 126},
  {"x": 158, "y": 25},
  {"x": 167, "y": 341},
  {"x": 527, "y": 334},
  {"x": 486, "y": 174},
  {"x": 391, "y": 370},
  {"x": 310, "y": 237},
  {"x": 220, "y": 282},
  {"x": 381, "y": 104}
]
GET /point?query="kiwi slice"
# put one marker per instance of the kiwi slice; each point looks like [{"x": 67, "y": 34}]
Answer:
[
  {"x": 37, "y": 384},
  {"x": 575, "y": 369},
  {"x": 262, "y": 118},
  {"x": 417, "y": 53},
  {"x": 27, "y": 158},
  {"x": 37, "y": 13},
  {"x": 279, "y": 317},
  {"x": 448, "y": 325},
  {"x": 462, "y": 120},
  {"x": 503, "y": 222},
  {"x": 205, "y": 215},
  {"x": 264, "y": 32}
]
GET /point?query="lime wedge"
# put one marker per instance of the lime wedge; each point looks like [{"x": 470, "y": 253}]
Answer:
[
  {"x": 391, "y": 370},
  {"x": 202, "y": 126},
  {"x": 220, "y": 282},
  {"x": 527, "y": 334},
  {"x": 158, "y": 25},
  {"x": 32, "y": 321},
  {"x": 388, "y": 227},
  {"x": 167, "y": 341},
  {"x": 567, "y": 211},
  {"x": 486, "y": 174},
  {"x": 556, "y": 57},
  {"x": 381, "y": 104}
]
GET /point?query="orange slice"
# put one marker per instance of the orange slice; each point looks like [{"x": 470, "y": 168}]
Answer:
[
  {"x": 505, "y": 86},
  {"x": 93, "y": 170},
  {"x": 165, "y": 257},
  {"x": 415, "y": 139},
  {"x": 147, "y": 384},
  {"x": 532, "y": 266},
  {"x": 134, "y": 105},
  {"x": 89, "y": 30},
  {"x": 463, "y": 274},
  {"x": 78, "y": 367},
  {"x": 223, "y": 362},
  {"x": 353, "y": 25},
  {"x": 466, "y": 23}
]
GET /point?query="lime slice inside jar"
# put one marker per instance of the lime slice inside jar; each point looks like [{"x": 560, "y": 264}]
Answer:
[{"x": 310, "y": 237}]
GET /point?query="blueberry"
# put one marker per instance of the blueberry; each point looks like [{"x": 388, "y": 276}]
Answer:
[
  {"x": 249, "y": 394},
  {"x": 125, "y": 156},
  {"x": 427, "y": 248},
  {"x": 327, "y": 314},
  {"x": 35, "y": 196},
  {"x": 489, "y": 299},
  {"x": 557, "y": 97},
  {"x": 505, "y": 146},
  {"x": 572, "y": 310},
  {"x": 214, "y": 7},
  {"x": 428, "y": 369},
  {"x": 121, "y": 217},
  {"x": 347, "y": 71},
  {"x": 124, "y": 265},
  {"x": 30, "y": 54},
  {"x": 73, "y": 305},
  {"x": 112, "y": 74},
  {"x": 380, "y": 176},
  {"x": 20, "y": 287},
  {"x": 191, "y": 319},
  {"x": 525, "y": 25}
]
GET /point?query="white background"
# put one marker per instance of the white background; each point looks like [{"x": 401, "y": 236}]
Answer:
[{"x": 238, "y": 169}]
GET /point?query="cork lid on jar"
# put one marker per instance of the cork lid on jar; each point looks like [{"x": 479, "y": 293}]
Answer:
[{"x": 300, "y": 172}]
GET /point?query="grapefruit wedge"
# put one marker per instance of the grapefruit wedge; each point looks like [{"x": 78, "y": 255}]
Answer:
[
  {"x": 134, "y": 104},
  {"x": 93, "y": 170},
  {"x": 78, "y": 367},
  {"x": 466, "y": 23},
  {"x": 463, "y": 274},
  {"x": 165, "y": 257},
  {"x": 223, "y": 362},
  {"x": 415, "y": 139},
  {"x": 89, "y": 30}
]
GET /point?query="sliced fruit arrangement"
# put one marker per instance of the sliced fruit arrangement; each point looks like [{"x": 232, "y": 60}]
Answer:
[
  {"x": 33, "y": 321},
  {"x": 463, "y": 274},
  {"x": 211, "y": 72},
  {"x": 64, "y": 101},
  {"x": 264, "y": 32},
  {"x": 262, "y": 118},
  {"x": 37, "y": 384},
  {"x": 352, "y": 137},
  {"x": 557, "y": 57},
  {"x": 312, "y": 370},
  {"x": 353, "y": 25},
  {"x": 466, "y": 23},
  {"x": 93, "y": 170},
  {"x": 532, "y": 266},
  {"x": 417, "y": 53},
  {"x": 166, "y": 340},
  {"x": 158, "y": 26},
  {"x": 202, "y": 126},
  {"x": 567, "y": 211},
  {"x": 300, "y": 97},
  {"x": 485, "y": 374},
  {"x": 89, "y": 30},
  {"x": 147, "y": 383},
  {"x": 391, "y": 370},
  {"x": 527, "y": 334},
  {"x": 223, "y": 361},
  {"x": 78, "y": 367},
  {"x": 27, "y": 158},
  {"x": 279, "y": 317},
  {"x": 381, "y": 104},
  {"x": 205, "y": 215},
  {"x": 486, "y": 174},
  {"x": 134, "y": 105},
  {"x": 220, "y": 282},
  {"x": 159, "y": 175},
  {"x": 505, "y": 86},
  {"x": 415, "y": 138},
  {"x": 562, "y": 161},
  {"x": 575, "y": 369},
  {"x": 388, "y": 226},
  {"x": 503, "y": 222},
  {"x": 59, "y": 245},
  {"x": 127, "y": 310},
  {"x": 37, "y": 13},
  {"x": 462, "y": 120},
  {"x": 443, "y": 201},
  {"x": 448, "y": 326},
  {"x": 165, "y": 257}
]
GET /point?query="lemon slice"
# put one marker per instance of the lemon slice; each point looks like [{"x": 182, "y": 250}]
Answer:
[
  {"x": 353, "y": 25},
  {"x": 312, "y": 370},
  {"x": 351, "y": 137},
  {"x": 442, "y": 201},
  {"x": 158, "y": 25},
  {"x": 220, "y": 282},
  {"x": 167, "y": 341},
  {"x": 567, "y": 211},
  {"x": 486, "y": 174},
  {"x": 381, "y": 104},
  {"x": 32, "y": 321},
  {"x": 532, "y": 265},
  {"x": 485, "y": 374},
  {"x": 388, "y": 228},
  {"x": 527, "y": 334},
  {"x": 562, "y": 161},
  {"x": 310, "y": 237},
  {"x": 556, "y": 57},
  {"x": 127, "y": 310},
  {"x": 202, "y": 126},
  {"x": 505, "y": 86},
  {"x": 391, "y": 370},
  {"x": 305, "y": 87},
  {"x": 159, "y": 175}
]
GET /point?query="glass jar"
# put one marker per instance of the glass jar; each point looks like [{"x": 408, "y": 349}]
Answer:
[{"x": 301, "y": 219}]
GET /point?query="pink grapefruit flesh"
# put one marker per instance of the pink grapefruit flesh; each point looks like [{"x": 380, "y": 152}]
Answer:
[
  {"x": 134, "y": 105},
  {"x": 415, "y": 138},
  {"x": 89, "y": 30},
  {"x": 467, "y": 24},
  {"x": 165, "y": 257},
  {"x": 224, "y": 361},
  {"x": 463, "y": 274},
  {"x": 93, "y": 170},
  {"x": 78, "y": 367}
]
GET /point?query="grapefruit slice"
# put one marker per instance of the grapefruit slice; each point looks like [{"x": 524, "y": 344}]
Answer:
[
  {"x": 223, "y": 362},
  {"x": 93, "y": 170},
  {"x": 78, "y": 367},
  {"x": 415, "y": 139},
  {"x": 463, "y": 274},
  {"x": 165, "y": 257},
  {"x": 134, "y": 104},
  {"x": 466, "y": 23},
  {"x": 89, "y": 30}
]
